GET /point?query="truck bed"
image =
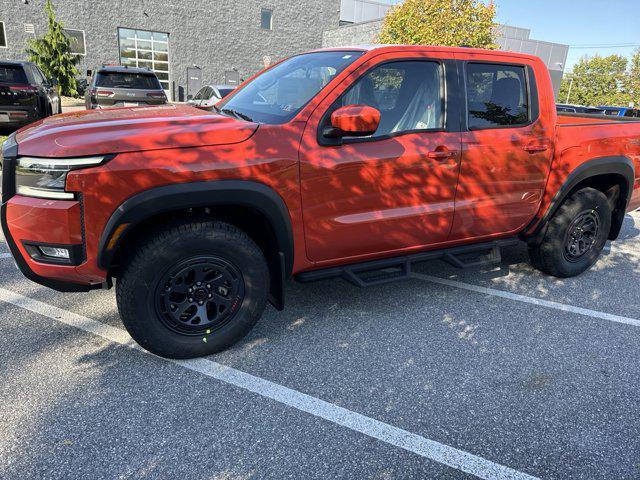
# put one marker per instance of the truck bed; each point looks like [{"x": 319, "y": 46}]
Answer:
[{"x": 582, "y": 136}]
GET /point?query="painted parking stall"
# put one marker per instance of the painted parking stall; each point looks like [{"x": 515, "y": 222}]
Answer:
[{"x": 447, "y": 375}]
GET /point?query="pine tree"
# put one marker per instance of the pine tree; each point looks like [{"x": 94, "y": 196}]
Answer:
[{"x": 52, "y": 53}]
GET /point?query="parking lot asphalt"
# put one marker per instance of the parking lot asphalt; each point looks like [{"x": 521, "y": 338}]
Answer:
[{"x": 495, "y": 373}]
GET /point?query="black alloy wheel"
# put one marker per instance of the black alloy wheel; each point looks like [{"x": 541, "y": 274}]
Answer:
[{"x": 199, "y": 294}]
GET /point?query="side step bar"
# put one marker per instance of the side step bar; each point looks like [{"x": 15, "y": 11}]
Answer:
[{"x": 387, "y": 270}]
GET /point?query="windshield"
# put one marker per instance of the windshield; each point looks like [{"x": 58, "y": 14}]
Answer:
[
  {"x": 278, "y": 94},
  {"x": 137, "y": 81}
]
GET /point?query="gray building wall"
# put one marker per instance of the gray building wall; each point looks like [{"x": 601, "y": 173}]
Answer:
[{"x": 215, "y": 35}]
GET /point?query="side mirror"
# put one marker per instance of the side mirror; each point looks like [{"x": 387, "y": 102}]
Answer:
[
  {"x": 354, "y": 121},
  {"x": 89, "y": 73}
]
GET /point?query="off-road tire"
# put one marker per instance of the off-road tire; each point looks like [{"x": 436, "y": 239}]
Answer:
[
  {"x": 558, "y": 254},
  {"x": 139, "y": 293}
]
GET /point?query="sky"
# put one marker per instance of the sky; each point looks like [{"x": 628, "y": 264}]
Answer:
[{"x": 590, "y": 27}]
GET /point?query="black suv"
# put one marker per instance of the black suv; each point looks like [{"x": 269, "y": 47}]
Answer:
[
  {"x": 26, "y": 94},
  {"x": 124, "y": 87}
]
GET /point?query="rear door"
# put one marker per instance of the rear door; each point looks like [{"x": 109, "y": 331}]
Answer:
[
  {"x": 395, "y": 189},
  {"x": 507, "y": 146}
]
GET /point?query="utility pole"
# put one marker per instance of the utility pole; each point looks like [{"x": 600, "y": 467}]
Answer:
[{"x": 569, "y": 92}]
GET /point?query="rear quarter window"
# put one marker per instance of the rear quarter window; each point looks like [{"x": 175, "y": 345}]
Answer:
[
  {"x": 496, "y": 95},
  {"x": 137, "y": 81},
  {"x": 13, "y": 74}
]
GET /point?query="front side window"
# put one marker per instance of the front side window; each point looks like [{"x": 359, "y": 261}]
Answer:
[
  {"x": 496, "y": 96},
  {"x": 407, "y": 94},
  {"x": 278, "y": 94},
  {"x": 266, "y": 19},
  {"x": 3, "y": 36}
]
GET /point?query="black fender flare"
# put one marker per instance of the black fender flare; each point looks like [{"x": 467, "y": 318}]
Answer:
[
  {"x": 617, "y": 165},
  {"x": 165, "y": 199}
]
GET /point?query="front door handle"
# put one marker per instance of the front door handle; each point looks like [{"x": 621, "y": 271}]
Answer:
[
  {"x": 535, "y": 148},
  {"x": 442, "y": 153}
]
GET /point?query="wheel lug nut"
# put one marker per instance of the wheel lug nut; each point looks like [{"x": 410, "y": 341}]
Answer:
[
  {"x": 198, "y": 283},
  {"x": 209, "y": 295},
  {"x": 200, "y": 303},
  {"x": 190, "y": 299}
]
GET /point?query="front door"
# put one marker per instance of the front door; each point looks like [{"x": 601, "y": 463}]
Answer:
[
  {"x": 393, "y": 190},
  {"x": 506, "y": 150}
]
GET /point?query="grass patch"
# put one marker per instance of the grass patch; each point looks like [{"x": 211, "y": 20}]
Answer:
[{"x": 2, "y": 138}]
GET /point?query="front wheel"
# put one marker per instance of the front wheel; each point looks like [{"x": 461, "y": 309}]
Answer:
[
  {"x": 575, "y": 236},
  {"x": 193, "y": 289}
]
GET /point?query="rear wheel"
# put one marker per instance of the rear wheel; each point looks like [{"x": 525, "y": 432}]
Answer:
[
  {"x": 575, "y": 235},
  {"x": 193, "y": 289}
]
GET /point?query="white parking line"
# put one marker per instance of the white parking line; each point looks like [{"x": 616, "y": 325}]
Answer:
[
  {"x": 430, "y": 449},
  {"x": 531, "y": 300}
]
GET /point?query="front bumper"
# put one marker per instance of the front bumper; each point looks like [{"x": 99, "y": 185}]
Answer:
[{"x": 33, "y": 221}]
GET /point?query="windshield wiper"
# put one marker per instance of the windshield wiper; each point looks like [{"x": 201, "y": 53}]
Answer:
[{"x": 236, "y": 114}]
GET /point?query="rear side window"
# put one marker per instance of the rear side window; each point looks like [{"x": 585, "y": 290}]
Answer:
[
  {"x": 138, "y": 81},
  {"x": 407, "y": 94},
  {"x": 496, "y": 96},
  {"x": 12, "y": 74}
]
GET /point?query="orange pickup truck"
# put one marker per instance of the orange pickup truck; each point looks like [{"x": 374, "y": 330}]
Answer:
[{"x": 352, "y": 163}]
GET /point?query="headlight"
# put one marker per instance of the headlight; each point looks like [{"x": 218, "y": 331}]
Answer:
[{"x": 46, "y": 177}]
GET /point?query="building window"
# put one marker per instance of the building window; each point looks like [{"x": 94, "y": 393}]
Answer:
[
  {"x": 266, "y": 19},
  {"x": 76, "y": 41},
  {"x": 3, "y": 36},
  {"x": 145, "y": 49}
]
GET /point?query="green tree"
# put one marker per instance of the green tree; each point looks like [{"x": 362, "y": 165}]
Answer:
[
  {"x": 52, "y": 53},
  {"x": 597, "y": 81},
  {"x": 441, "y": 22}
]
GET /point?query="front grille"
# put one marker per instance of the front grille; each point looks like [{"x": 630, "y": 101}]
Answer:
[{"x": 8, "y": 158}]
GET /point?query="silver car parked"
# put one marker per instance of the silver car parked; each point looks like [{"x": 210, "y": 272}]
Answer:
[{"x": 209, "y": 95}]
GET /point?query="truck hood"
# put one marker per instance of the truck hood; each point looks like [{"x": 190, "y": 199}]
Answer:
[{"x": 118, "y": 130}]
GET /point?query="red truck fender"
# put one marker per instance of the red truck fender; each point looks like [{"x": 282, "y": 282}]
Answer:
[
  {"x": 171, "y": 198},
  {"x": 619, "y": 169}
]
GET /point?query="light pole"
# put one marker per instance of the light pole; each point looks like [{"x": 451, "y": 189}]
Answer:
[{"x": 569, "y": 92}]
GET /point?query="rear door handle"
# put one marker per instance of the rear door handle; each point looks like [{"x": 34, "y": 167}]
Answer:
[
  {"x": 442, "y": 154},
  {"x": 535, "y": 148}
]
